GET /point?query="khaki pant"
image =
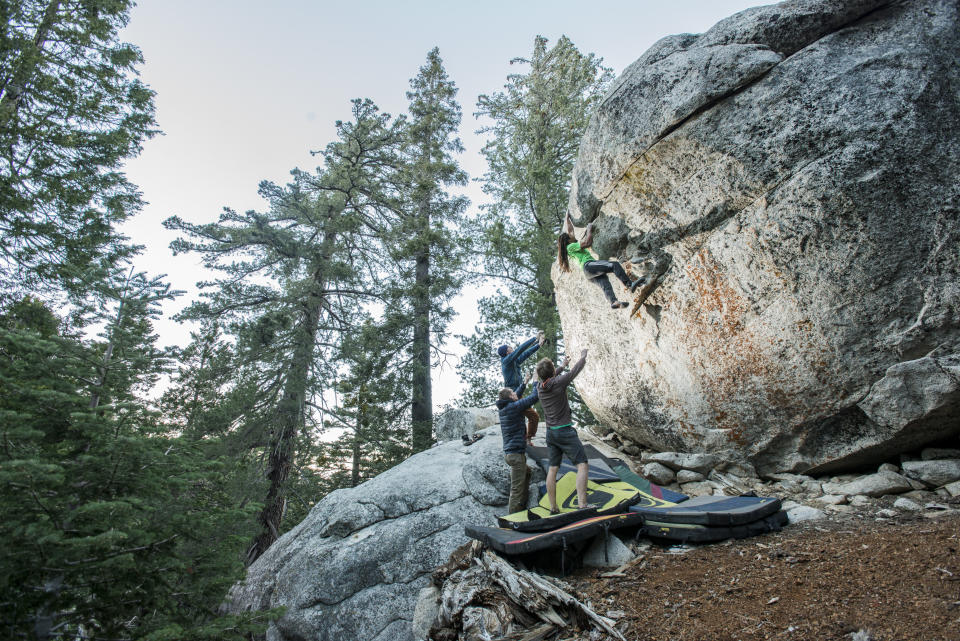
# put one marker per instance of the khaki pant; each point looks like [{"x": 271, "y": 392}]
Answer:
[{"x": 519, "y": 481}]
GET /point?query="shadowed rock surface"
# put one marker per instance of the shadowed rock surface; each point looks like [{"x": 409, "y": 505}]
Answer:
[{"x": 793, "y": 174}]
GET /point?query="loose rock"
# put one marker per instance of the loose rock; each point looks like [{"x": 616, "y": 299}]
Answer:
[
  {"x": 658, "y": 473},
  {"x": 906, "y": 504},
  {"x": 872, "y": 485},
  {"x": 939, "y": 453},
  {"x": 800, "y": 513},
  {"x": 689, "y": 476},
  {"x": 698, "y": 462},
  {"x": 934, "y": 473}
]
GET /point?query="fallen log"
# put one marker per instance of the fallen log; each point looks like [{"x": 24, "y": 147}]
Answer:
[{"x": 483, "y": 596}]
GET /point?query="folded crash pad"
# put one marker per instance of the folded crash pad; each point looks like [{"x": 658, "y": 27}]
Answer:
[
  {"x": 712, "y": 510},
  {"x": 513, "y": 542},
  {"x": 693, "y": 533},
  {"x": 605, "y": 498}
]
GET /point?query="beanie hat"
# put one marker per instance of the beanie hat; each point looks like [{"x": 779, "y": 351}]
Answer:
[{"x": 502, "y": 350}]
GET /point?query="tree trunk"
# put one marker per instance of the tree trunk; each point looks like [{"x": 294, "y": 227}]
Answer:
[
  {"x": 290, "y": 411},
  {"x": 357, "y": 440},
  {"x": 422, "y": 407}
]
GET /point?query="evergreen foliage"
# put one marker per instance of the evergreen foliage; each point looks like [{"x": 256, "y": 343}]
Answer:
[
  {"x": 295, "y": 279},
  {"x": 71, "y": 110},
  {"x": 372, "y": 407},
  {"x": 536, "y": 123},
  {"x": 429, "y": 243},
  {"x": 112, "y": 527}
]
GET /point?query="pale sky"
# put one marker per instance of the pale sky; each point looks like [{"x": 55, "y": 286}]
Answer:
[{"x": 245, "y": 90}]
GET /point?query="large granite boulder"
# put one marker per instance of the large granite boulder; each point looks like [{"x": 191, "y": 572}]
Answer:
[
  {"x": 352, "y": 570},
  {"x": 789, "y": 181}
]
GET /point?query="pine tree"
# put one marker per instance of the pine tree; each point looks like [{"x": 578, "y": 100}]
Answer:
[
  {"x": 429, "y": 245},
  {"x": 537, "y": 122},
  {"x": 295, "y": 277},
  {"x": 373, "y": 404},
  {"x": 112, "y": 526},
  {"x": 71, "y": 110}
]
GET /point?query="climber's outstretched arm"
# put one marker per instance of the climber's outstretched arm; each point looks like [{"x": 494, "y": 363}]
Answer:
[
  {"x": 569, "y": 226},
  {"x": 587, "y": 239}
]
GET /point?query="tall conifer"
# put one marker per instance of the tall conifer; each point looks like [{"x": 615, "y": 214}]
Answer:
[
  {"x": 295, "y": 277},
  {"x": 430, "y": 244},
  {"x": 71, "y": 110}
]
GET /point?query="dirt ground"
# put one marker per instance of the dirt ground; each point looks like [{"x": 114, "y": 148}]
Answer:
[{"x": 859, "y": 578}]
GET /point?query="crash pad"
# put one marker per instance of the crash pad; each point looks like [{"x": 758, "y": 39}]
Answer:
[
  {"x": 693, "y": 533},
  {"x": 604, "y": 498},
  {"x": 712, "y": 510},
  {"x": 513, "y": 542}
]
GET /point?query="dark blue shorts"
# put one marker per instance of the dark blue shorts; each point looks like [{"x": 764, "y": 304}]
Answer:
[{"x": 564, "y": 440}]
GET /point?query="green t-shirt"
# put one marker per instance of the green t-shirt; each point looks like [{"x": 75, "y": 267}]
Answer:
[{"x": 582, "y": 255}]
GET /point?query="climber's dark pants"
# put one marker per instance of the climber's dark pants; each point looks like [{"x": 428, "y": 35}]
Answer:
[{"x": 597, "y": 270}]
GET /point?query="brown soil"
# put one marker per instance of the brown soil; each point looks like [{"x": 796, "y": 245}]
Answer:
[{"x": 859, "y": 578}]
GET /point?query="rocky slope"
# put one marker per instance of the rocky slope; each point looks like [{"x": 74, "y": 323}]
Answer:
[
  {"x": 789, "y": 179},
  {"x": 353, "y": 569}
]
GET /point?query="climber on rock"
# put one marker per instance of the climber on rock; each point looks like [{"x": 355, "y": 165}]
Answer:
[
  {"x": 561, "y": 435},
  {"x": 511, "y": 409},
  {"x": 595, "y": 270},
  {"x": 510, "y": 360}
]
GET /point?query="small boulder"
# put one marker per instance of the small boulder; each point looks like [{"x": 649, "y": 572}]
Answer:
[
  {"x": 841, "y": 509},
  {"x": 934, "y": 473},
  {"x": 871, "y": 485},
  {"x": 799, "y": 513},
  {"x": 906, "y": 504},
  {"x": 658, "y": 473},
  {"x": 953, "y": 488},
  {"x": 699, "y": 488},
  {"x": 743, "y": 469},
  {"x": 696, "y": 461},
  {"x": 860, "y": 500},
  {"x": 454, "y": 423},
  {"x": 832, "y": 499},
  {"x": 889, "y": 467},
  {"x": 920, "y": 496},
  {"x": 689, "y": 476},
  {"x": 939, "y": 453}
]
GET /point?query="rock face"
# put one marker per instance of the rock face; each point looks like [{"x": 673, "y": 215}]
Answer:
[
  {"x": 790, "y": 177},
  {"x": 353, "y": 569},
  {"x": 457, "y": 421}
]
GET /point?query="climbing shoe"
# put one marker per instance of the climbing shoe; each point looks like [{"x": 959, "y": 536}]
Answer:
[
  {"x": 637, "y": 283},
  {"x": 619, "y": 304}
]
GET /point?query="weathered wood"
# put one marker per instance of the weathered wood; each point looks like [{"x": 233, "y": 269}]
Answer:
[
  {"x": 540, "y": 633},
  {"x": 528, "y": 589}
]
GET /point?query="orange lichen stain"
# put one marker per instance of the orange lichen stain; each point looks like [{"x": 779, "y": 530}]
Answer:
[
  {"x": 743, "y": 380},
  {"x": 717, "y": 299}
]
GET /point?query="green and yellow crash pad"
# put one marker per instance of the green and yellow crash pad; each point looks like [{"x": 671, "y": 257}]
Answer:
[{"x": 604, "y": 498}]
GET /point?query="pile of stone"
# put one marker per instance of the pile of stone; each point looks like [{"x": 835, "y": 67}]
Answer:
[{"x": 928, "y": 480}]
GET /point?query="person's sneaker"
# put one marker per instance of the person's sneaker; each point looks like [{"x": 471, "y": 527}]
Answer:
[
  {"x": 637, "y": 283},
  {"x": 466, "y": 440},
  {"x": 619, "y": 304}
]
